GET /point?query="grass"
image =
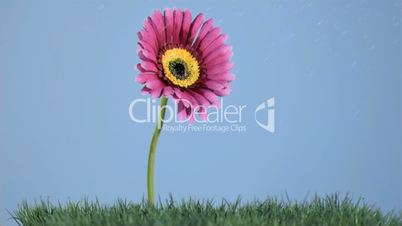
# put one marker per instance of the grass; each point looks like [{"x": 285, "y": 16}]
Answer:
[{"x": 331, "y": 210}]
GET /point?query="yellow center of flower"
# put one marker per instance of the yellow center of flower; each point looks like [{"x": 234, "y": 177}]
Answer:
[{"x": 180, "y": 67}]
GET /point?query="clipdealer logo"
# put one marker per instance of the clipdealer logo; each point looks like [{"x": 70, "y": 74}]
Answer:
[{"x": 226, "y": 118}]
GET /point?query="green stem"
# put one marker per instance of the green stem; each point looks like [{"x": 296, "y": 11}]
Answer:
[{"x": 152, "y": 151}]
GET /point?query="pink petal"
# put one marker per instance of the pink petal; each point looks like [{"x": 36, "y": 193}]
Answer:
[
  {"x": 220, "y": 68},
  {"x": 200, "y": 99},
  {"x": 224, "y": 83},
  {"x": 184, "y": 113},
  {"x": 195, "y": 26},
  {"x": 167, "y": 91},
  {"x": 206, "y": 27},
  {"x": 156, "y": 93},
  {"x": 209, "y": 38},
  {"x": 148, "y": 37},
  {"x": 223, "y": 92},
  {"x": 146, "y": 46},
  {"x": 181, "y": 111},
  {"x": 178, "y": 20},
  {"x": 180, "y": 96},
  {"x": 145, "y": 90},
  {"x": 214, "y": 45},
  {"x": 146, "y": 57},
  {"x": 213, "y": 60},
  {"x": 221, "y": 51},
  {"x": 156, "y": 20},
  {"x": 154, "y": 83},
  {"x": 213, "y": 85},
  {"x": 209, "y": 95},
  {"x": 169, "y": 25},
  {"x": 224, "y": 76},
  {"x": 149, "y": 53},
  {"x": 149, "y": 66},
  {"x": 217, "y": 60},
  {"x": 143, "y": 77},
  {"x": 140, "y": 68},
  {"x": 185, "y": 29},
  {"x": 186, "y": 96},
  {"x": 187, "y": 99},
  {"x": 150, "y": 33}
]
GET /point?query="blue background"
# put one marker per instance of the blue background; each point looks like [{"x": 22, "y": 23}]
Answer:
[{"x": 334, "y": 67}]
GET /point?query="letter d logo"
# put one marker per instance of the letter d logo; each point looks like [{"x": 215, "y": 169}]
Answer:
[{"x": 270, "y": 123}]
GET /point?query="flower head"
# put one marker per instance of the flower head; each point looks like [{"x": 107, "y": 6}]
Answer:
[{"x": 186, "y": 59}]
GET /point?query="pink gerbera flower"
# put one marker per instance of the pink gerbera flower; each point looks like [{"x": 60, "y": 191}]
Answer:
[{"x": 185, "y": 59}]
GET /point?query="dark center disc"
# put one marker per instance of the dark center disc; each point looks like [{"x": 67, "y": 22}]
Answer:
[{"x": 179, "y": 69}]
